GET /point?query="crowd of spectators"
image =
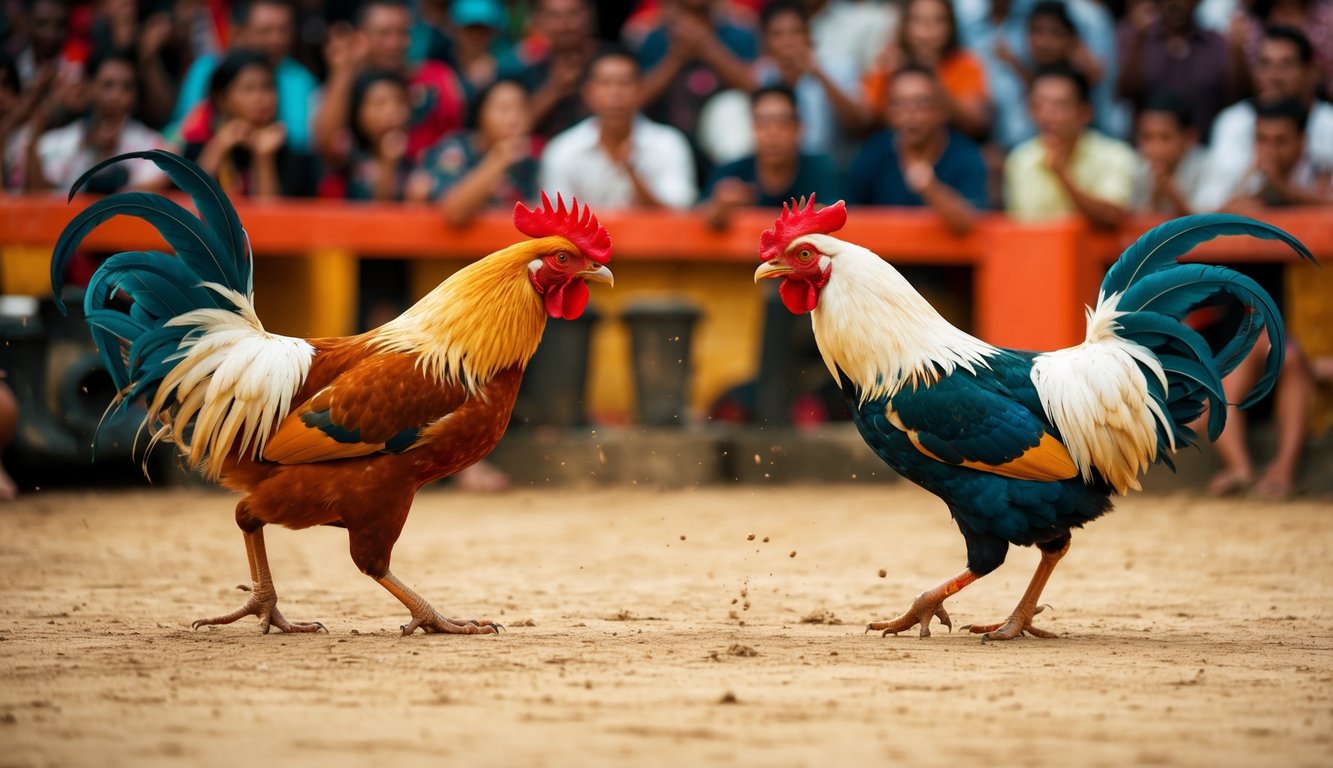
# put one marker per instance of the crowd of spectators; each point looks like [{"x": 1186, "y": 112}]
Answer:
[{"x": 1040, "y": 108}]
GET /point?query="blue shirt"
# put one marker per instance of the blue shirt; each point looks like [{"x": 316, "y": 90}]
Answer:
[
  {"x": 296, "y": 97},
  {"x": 876, "y": 177},
  {"x": 814, "y": 175}
]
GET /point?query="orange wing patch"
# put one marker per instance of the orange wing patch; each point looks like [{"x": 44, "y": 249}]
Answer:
[{"x": 1047, "y": 461}]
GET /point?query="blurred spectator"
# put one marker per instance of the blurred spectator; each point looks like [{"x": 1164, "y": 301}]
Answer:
[
  {"x": 825, "y": 87},
  {"x": 1079, "y": 33},
  {"x": 857, "y": 29},
  {"x": 991, "y": 30},
  {"x": 165, "y": 37},
  {"x": 45, "y": 26},
  {"x": 1314, "y": 20},
  {"x": 266, "y": 26},
  {"x": 1281, "y": 174},
  {"x": 377, "y": 166},
  {"x": 1170, "y": 163},
  {"x": 618, "y": 158},
  {"x": 1285, "y": 70},
  {"x": 555, "y": 77},
  {"x": 920, "y": 161},
  {"x": 380, "y": 42},
  {"x": 1161, "y": 46},
  {"x": 691, "y": 56},
  {"x": 237, "y": 138},
  {"x": 429, "y": 39},
  {"x": 491, "y": 165},
  {"x": 15, "y": 108},
  {"x": 1069, "y": 167},
  {"x": 928, "y": 37},
  {"x": 778, "y": 171},
  {"x": 57, "y": 158},
  {"x": 477, "y": 25}
]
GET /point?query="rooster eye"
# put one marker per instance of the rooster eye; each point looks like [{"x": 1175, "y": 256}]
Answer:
[
  {"x": 805, "y": 254},
  {"x": 562, "y": 257}
]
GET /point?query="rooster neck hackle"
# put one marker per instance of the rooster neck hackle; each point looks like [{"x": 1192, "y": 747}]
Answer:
[
  {"x": 879, "y": 331},
  {"x": 483, "y": 319}
]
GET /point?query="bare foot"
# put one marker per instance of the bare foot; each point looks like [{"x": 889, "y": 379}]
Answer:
[
  {"x": 1277, "y": 483},
  {"x": 1228, "y": 482}
]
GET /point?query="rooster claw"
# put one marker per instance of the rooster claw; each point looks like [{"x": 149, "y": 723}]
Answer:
[{"x": 434, "y": 623}]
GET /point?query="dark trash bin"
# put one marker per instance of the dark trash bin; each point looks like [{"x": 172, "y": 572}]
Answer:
[
  {"x": 556, "y": 380},
  {"x": 661, "y": 338}
]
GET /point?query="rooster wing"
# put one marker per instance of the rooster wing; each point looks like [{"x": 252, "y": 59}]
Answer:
[{"x": 381, "y": 404}]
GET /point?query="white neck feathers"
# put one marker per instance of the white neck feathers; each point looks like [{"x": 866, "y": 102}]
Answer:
[{"x": 873, "y": 325}]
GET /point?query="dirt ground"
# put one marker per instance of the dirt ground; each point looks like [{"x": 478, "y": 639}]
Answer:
[{"x": 646, "y": 628}]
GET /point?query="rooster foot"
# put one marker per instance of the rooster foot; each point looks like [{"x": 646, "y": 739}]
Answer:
[
  {"x": 1014, "y": 627},
  {"x": 921, "y": 612},
  {"x": 265, "y": 607},
  {"x": 432, "y": 622}
]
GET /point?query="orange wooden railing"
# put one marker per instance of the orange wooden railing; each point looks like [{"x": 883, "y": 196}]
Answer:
[{"x": 1030, "y": 280}]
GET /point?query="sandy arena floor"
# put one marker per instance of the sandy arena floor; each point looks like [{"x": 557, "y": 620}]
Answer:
[{"x": 645, "y": 628}]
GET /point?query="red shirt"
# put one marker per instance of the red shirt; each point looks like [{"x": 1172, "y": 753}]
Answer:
[{"x": 438, "y": 106}]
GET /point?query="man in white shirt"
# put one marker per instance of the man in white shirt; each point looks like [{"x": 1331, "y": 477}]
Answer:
[
  {"x": 618, "y": 158},
  {"x": 1285, "y": 70}
]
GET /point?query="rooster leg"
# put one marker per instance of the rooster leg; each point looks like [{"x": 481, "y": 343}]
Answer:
[
  {"x": 263, "y": 601},
  {"x": 427, "y": 618},
  {"x": 1020, "y": 620},
  {"x": 928, "y": 605}
]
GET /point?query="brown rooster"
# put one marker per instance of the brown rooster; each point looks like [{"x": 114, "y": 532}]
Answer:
[{"x": 337, "y": 431}]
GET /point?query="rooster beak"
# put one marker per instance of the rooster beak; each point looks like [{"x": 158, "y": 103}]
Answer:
[
  {"x": 771, "y": 269},
  {"x": 600, "y": 275}
]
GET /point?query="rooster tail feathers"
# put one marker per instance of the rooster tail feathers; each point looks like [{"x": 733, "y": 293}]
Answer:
[
  {"x": 1162, "y": 246},
  {"x": 190, "y": 316},
  {"x": 1150, "y": 293},
  {"x": 216, "y": 212}
]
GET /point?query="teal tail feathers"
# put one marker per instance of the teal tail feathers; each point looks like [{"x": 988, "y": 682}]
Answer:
[
  {"x": 1155, "y": 292},
  {"x": 138, "y": 344}
]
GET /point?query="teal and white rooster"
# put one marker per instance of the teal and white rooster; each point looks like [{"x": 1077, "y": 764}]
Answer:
[{"x": 1022, "y": 446}]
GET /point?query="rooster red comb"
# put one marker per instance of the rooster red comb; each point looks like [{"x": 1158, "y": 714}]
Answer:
[
  {"x": 799, "y": 220},
  {"x": 583, "y": 231}
]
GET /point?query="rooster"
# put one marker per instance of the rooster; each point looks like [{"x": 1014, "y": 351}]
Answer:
[
  {"x": 332, "y": 431},
  {"x": 1022, "y": 446}
]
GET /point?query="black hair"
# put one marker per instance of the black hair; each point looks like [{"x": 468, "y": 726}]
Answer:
[
  {"x": 230, "y": 67},
  {"x": 776, "y": 90},
  {"x": 1166, "y": 102},
  {"x": 1304, "y": 50},
  {"x": 612, "y": 52},
  {"x": 1283, "y": 109},
  {"x": 10, "y": 70},
  {"x": 360, "y": 88},
  {"x": 1054, "y": 9},
  {"x": 913, "y": 68},
  {"x": 363, "y": 10},
  {"x": 241, "y": 9},
  {"x": 779, "y": 7},
  {"x": 1065, "y": 72},
  {"x": 100, "y": 57},
  {"x": 473, "y": 119}
]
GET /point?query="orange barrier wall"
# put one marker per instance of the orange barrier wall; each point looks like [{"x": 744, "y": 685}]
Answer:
[{"x": 1030, "y": 281}]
